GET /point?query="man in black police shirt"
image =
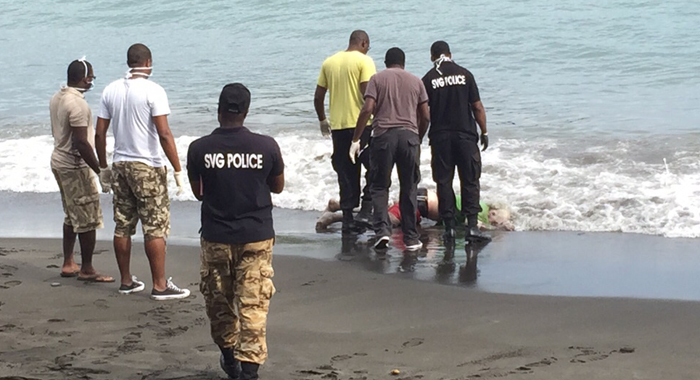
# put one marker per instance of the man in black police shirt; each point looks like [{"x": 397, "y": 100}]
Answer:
[
  {"x": 232, "y": 171},
  {"x": 454, "y": 105}
]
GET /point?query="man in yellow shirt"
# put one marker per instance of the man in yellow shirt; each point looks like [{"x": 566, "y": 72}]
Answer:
[{"x": 345, "y": 75}]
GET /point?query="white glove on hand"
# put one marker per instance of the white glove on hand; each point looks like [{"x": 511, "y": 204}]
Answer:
[
  {"x": 105, "y": 178},
  {"x": 180, "y": 181},
  {"x": 325, "y": 127},
  {"x": 354, "y": 150}
]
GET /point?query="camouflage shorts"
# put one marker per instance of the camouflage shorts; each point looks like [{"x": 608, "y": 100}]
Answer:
[
  {"x": 237, "y": 287},
  {"x": 81, "y": 201},
  {"x": 140, "y": 193}
]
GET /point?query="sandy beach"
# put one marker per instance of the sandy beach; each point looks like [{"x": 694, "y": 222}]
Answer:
[{"x": 331, "y": 319}]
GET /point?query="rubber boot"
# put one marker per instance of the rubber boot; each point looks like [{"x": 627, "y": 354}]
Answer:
[
  {"x": 249, "y": 371},
  {"x": 229, "y": 364},
  {"x": 365, "y": 215}
]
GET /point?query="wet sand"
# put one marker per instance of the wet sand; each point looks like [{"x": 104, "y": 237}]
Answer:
[{"x": 331, "y": 319}]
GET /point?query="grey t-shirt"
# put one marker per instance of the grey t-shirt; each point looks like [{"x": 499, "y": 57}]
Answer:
[{"x": 397, "y": 94}]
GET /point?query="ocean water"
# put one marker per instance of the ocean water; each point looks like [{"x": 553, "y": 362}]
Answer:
[{"x": 593, "y": 107}]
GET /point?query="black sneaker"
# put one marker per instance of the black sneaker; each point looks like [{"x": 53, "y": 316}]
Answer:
[
  {"x": 135, "y": 287},
  {"x": 171, "y": 292},
  {"x": 382, "y": 242},
  {"x": 232, "y": 370},
  {"x": 414, "y": 245}
]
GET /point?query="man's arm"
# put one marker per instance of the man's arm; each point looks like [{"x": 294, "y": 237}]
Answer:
[
  {"x": 363, "y": 88},
  {"x": 167, "y": 141},
  {"x": 276, "y": 183},
  {"x": 197, "y": 189},
  {"x": 319, "y": 98},
  {"x": 365, "y": 113},
  {"x": 423, "y": 119},
  {"x": 480, "y": 115},
  {"x": 101, "y": 141},
  {"x": 80, "y": 142}
]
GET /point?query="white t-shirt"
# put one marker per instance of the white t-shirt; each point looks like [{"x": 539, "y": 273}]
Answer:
[{"x": 130, "y": 104}]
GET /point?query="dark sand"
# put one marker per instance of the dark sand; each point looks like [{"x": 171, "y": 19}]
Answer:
[{"x": 335, "y": 319}]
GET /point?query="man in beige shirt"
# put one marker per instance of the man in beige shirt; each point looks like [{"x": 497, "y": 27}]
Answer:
[{"x": 72, "y": 162}]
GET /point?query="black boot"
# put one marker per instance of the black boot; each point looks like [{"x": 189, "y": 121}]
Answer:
[
  {"x": 450, "y": 234},
  {"x": 249, "y": 371},
  {"x": 473, "y": 235},
  {"x": 349, "y": 225},
  {"x": 364, "y": 217},
  {"x": 229, "y": 364}
]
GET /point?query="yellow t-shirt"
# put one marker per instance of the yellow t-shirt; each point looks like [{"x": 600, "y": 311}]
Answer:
[{"x": 342, "y": 74}]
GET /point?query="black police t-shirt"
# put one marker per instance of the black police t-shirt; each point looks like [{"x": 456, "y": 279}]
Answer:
[
  {"x": 233, "y": 166},
  {"x": 451, "y": 92}
]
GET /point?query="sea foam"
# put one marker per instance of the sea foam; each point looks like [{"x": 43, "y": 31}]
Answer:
[{"x": 547, "y": 186}]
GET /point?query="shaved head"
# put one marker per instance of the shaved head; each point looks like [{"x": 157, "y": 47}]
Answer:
[
  {"x": 358, "y": 36},
  {"x": 138, "y": 55},
  {"x": 359, "y": 41}
]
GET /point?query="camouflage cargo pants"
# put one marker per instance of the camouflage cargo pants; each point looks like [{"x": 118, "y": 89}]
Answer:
[{"x": 237, "y": 287}]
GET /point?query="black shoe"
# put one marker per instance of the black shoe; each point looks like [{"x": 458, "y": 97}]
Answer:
[
  {"x": 171, "y": 292},
  {"x": 249, "y": 371},
  {"x": 474, "y": 236},
  {"x": 364, "y": 217},
  {"x": 413, "y": 245},
  {"x": 232, "y": 368},
  {"x": 350, "y": 227},
  {"x": 382, "y": 243}
]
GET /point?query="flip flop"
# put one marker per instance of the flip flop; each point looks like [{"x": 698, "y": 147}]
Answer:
[
  {"x": 97, "y": 277},
  {"x": 70, "y": 274}
]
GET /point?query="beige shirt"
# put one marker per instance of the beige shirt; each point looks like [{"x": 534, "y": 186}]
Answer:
[{"x": 69, "y": 110}]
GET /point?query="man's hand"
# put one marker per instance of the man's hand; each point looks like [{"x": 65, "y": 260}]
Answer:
[
  {"x": 105, "y": 177},
  {"x": 325, "y": 127},
  {"x": 354, "y": 150},
  {"x": 484, "y": 141},
  {"x": 180, "y": 182}
]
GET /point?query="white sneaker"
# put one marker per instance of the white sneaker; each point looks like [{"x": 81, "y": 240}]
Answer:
[
  {"x": 135, "y": 287},
  {"x": 171, "y": 292}
]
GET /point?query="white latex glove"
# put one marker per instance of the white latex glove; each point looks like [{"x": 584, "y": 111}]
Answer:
[
  {"x": 354, "y": 150},
  {"x": 325, "y": 127},
  {"x": 180, "y": 182},
  {"x": 105, "y": 178}
]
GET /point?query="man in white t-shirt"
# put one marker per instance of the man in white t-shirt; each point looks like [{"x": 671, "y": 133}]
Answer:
[{"x": 138, "y": 109}]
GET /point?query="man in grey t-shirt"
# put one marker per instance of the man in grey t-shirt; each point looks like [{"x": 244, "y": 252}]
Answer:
[{"x": 399, "y": 103}]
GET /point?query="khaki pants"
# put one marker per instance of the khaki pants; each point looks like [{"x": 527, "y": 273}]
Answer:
[{"x": 237, "y": 287}]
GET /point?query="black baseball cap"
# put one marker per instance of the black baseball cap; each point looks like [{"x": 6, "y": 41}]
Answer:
[{"x": 234, "y": 98}]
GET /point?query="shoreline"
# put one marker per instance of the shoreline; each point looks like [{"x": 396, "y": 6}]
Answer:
[
  {"x": 603, "y": 264},
  {"x": 329, "y": 320}
]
